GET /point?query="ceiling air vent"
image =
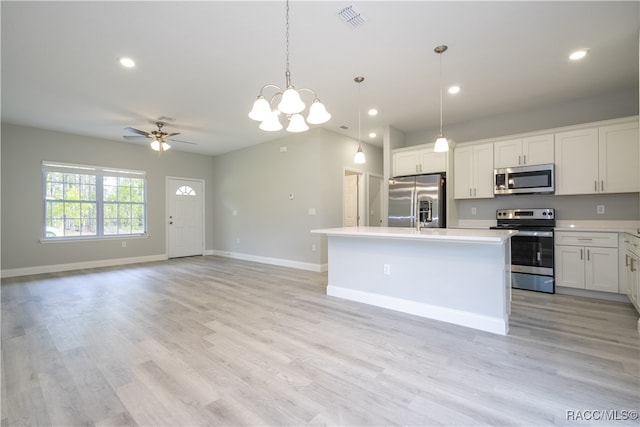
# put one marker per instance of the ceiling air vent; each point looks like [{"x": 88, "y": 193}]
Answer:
[{"x": 351, "y": 16}]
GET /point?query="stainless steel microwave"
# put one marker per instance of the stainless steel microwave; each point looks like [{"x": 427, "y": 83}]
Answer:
[{"x": 535, "y": 179}]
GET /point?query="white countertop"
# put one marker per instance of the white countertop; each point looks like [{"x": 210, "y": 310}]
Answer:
[{"x": 434, "y": 234}]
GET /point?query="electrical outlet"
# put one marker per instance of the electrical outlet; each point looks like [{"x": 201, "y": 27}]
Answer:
[
  {"x": 313, "y": 247},
  {"x": 238, "y": 240},
  {"x": 386, "y": 268},
  {"x": 474, "y": 211},
  {"x": 124, "y": 244},
  {"x": 600, "y": 209}
]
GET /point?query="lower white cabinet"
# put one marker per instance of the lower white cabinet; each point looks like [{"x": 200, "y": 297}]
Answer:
[{"x": 587, "y": 260}]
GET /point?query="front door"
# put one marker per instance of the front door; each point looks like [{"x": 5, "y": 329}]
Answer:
[{"x": 185, "y": 217}]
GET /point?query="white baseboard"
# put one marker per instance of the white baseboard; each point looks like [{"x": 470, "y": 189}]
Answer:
[
  {"x": 15, "y": 272},
  {"x": 449, "y": 315},
  {"x": 272, "y": 261},
  {"x": 587, "y": 293}
]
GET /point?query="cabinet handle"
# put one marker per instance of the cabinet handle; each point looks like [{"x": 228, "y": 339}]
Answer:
[
  {"x": 588, "y": 254},
  {"x": 475, "y": 192},
  {"x": 519, "y": 163},
  {"x": 601, "y": 185},
  {"x": 632, "y": 268},
  {"x": 524, "y": 161},
  {"x": 595, "y": 185},
  {"x": 470, "y": 192},
  {"x": 581, "y": 254}
]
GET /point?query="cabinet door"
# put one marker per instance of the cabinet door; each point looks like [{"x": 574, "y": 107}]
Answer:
[
  {"x": 537, "y": 150},
  {"x": 431, "y": 162},
  {"x": 483, "y": 170},
  {"x": 601, "y": 269},
  {"x": 569, "y": 266},
  {"x": 462, "y": 170},
  {"x": 405, "y": 163},
  {"x": 619, "y": 159},
  {"x": 576, "y": 158},
  {"x": 507, "y": 153}
]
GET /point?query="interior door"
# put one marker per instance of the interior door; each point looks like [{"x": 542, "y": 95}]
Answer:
[
  {"x": 350, "y": 194},
  {"x": 185, "y": 217},
  {"x": 374, "y": 200}
]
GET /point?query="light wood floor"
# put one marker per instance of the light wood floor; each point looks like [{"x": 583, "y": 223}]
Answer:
[{"x": 214, "y": 341}]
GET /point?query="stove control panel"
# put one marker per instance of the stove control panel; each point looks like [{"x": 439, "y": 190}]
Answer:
[{"x": 548, "y": 214}]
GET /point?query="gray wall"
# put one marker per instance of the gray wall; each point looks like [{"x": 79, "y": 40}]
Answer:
[
  {"x": 24, "y": 149},
  {"x": 256, "y": 183},
  {"x": 574, "y": 112}
]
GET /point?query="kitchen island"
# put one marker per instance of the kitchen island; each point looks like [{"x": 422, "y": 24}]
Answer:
[{"x": 460, "y": 276}]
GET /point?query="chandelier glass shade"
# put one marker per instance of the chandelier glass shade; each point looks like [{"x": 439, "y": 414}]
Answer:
[{"x": 290, "y": 103}]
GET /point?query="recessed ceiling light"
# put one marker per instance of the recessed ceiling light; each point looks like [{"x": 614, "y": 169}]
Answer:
[
  {"x": 127, "y": 62},
  {"x": 373, "y": 112},
  {"x": 454, "y": 89},
  {"x": 578, "y": 54},
  {"x": 372, "y": 135}
]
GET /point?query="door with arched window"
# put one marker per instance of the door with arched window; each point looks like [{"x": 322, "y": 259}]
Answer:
[{"x": 185, "y": 217}]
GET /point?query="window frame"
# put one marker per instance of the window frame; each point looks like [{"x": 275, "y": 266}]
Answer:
[{"x": 99, "y": 173}]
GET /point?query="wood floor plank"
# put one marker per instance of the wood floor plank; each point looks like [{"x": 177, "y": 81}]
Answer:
[{"x": 216, "y": 341}]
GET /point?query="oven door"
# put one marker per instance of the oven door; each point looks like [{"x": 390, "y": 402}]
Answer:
[{"x": 532, "y": 252}]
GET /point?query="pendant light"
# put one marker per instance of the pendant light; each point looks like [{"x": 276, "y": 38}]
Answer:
[
  {"x": 290, "y": 105},
  {"x": 359, "y": 157},
  {"x": 442, "y": 144}
]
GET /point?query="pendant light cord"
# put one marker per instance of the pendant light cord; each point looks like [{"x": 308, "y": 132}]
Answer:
[
  {"x": 441, "y": 134},
  {"x": 287, "y": 74},
  {"x": 359, "y": 108}
]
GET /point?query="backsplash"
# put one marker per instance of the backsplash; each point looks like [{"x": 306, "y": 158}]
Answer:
[{"x": 617, "y": 207}]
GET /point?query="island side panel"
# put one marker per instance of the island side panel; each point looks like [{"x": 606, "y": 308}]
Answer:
[{"x": 462, "y": 283}]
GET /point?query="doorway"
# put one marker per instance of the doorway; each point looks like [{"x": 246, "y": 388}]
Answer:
[
  {"x": 374, "y": 200},
  {"x": 352, "y": 198},
  {"x": 185, "y": 217}
]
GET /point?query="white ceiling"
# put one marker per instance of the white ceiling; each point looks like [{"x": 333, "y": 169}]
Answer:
[{"x": 203, "y": 63}]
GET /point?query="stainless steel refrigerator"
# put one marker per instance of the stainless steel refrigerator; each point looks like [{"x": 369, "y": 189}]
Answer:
[{"x": 421, "y": 197}]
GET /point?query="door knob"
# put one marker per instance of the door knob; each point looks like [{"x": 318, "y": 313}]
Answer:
[{"x": 170, "y": 222}]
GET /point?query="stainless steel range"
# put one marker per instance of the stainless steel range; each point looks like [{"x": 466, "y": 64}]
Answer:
[{"x": 531, "y": 248}]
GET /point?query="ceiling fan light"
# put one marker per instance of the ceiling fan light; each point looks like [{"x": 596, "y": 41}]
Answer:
[
  {"x": 442, "y": 145},
  {"x": 359, "y": 158},
  {"x": 297, "y": 124},
  {"x": 261, "y": 109},
  {"x": 271, "y": 122},
  {"x": 318, "y": 114},
  {"x": 165, "y": 146},
  {"x": 291, "y": 102},
  {"x": 155, "y": 145}
]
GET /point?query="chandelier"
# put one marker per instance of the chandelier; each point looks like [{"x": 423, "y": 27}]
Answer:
[{"x": 290, "y": 105}]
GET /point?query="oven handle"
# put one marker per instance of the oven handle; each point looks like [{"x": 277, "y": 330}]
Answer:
[{"x": 535, "y": 233}]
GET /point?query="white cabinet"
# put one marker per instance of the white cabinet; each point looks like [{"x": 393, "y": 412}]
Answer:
[
  {"x": 632, "y": 275},
  {"x": 597, "y": 160},
  {"x": 531, "y": 150},
  {"x": 587, "y": 260},
  {"x": 473, "y": 171},
  {"x": 418, "y": 161}
]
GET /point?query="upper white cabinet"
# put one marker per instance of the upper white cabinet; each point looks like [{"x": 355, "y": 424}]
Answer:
[
  {"x": 532, "y": 150},
  {"x": 473, "y": 171},
  {"x": 420, "y": 160},
  {"x": 597, "y": 160}
]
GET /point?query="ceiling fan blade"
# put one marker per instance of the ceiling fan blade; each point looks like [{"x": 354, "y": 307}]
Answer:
[
  {"x": 173, "y": 134},
  {"x": 183, "y": 142},
  {"x": 138, "y": 131},
  {"x": 135, "y": 137}
]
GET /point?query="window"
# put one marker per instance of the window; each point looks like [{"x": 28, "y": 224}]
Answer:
[
  {"x": 185, "y": 190},
  {"x": 92, "y": 201}
]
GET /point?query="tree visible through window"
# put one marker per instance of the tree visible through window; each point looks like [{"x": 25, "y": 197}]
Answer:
[{"x": 84, "y": 201}]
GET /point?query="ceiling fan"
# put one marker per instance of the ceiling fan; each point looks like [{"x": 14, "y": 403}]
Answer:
[{"x": 158, "y": 138}]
